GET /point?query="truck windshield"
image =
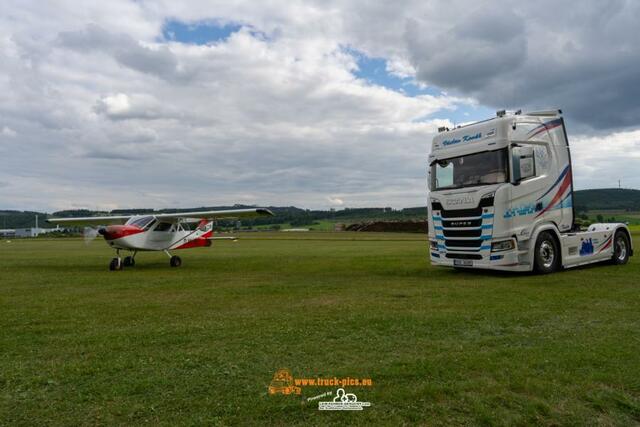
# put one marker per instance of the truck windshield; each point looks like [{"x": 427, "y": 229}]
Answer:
[{"x": 489, "y": 167}]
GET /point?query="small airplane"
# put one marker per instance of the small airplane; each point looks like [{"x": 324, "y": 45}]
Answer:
[{"x": 157, "y": 232}]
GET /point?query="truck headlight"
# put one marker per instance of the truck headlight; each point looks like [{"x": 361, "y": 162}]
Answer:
[
  {"x": 488, "y": 195},
  {"x": 504, "y": 245},
  {"x": 433, "y": 244}
]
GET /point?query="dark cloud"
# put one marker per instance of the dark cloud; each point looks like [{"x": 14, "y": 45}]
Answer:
[
  {"x": 105, "y": 154},
  {"x": 158, "y": 61},
  {"x": 471, "y": 53},
  {"x": 582, "y": 57}
]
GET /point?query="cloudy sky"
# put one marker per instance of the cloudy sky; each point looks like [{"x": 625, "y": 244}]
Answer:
[{"x": 321, "y": 104}]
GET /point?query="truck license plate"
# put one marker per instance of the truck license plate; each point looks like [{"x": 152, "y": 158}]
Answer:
[{"x": 463, "y": 262}]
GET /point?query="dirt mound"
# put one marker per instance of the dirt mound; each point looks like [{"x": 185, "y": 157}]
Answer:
[{"x": 390, "y": 226}]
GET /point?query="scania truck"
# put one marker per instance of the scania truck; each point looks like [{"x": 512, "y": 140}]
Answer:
[{"x": 501, "y": 198}]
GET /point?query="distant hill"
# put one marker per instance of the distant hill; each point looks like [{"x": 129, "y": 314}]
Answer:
[
  {"x": 607, "y": 199},
  {"x": 22, "y": 219},
  {"x": 585, "y": 200}
]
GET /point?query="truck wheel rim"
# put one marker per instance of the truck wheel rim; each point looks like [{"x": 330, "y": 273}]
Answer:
[
  {"x": 547, "y": 254},
  {"x": 621, "y": 249}
]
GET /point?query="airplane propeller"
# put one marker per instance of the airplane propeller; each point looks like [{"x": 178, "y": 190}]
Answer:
[{"x": 89, "y": 234}]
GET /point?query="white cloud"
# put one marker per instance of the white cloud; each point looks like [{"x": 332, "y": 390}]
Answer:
[
  {"x": 401, "y": 68},
  {"x": 137, "y": 106},
  {"x": 114, "y": 105},
  {"x": 600, "y": 161},
  {"x": 335, "y": 201},
  {"x": 111, "y": 114},
  {"x": 7, "y": 131}
]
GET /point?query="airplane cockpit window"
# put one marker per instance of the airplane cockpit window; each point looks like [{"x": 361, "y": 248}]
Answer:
[
  {"x": 141, "y": 222},
  {"x": 163, "y": 226}
]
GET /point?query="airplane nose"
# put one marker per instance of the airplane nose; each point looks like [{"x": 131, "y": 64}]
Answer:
[{"x": 113, "y": 232}]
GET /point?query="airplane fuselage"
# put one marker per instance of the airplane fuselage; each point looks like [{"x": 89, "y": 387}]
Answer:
[{"x": 157, "y": 236}]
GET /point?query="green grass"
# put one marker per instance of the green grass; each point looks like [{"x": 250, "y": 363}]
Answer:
[
  {"x": 80, "y": 345},
  {"x": 630, "y": 217},
  {"x": 318, "y": 225},
  {"x": 324, "y": 225}
]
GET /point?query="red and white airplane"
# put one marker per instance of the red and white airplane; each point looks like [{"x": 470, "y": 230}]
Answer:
[{"x": 158, "y": 232}]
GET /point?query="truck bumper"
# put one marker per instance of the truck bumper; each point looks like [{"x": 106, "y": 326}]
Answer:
[{"x": 504, "y": 261}]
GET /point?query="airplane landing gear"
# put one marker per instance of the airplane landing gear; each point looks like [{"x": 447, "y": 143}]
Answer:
[
  {"x": 130, "y": 261},
  {"x": 116, "y": 264},
  {"x": 119, "y": 263},
  {"x": 175, "y": 261}
]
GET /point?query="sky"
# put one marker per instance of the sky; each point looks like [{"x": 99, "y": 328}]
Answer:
[{"x": 315, "y": 104}]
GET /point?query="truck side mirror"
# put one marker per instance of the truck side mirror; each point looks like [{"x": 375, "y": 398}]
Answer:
[{"x": 524, "y": 164}]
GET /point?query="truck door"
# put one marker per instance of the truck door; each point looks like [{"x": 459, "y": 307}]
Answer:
[{"x": 527, "y": 200}]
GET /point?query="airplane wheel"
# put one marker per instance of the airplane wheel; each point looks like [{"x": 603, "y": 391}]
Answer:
[
  {"x": 620, "y": 248},
  {"x": 175, "y": 261},
  {"x": 129, "y": 261},
  {"x": 115, "y": 264}
]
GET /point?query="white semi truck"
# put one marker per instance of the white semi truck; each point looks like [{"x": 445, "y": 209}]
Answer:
[{"x": 501, "y": 198}]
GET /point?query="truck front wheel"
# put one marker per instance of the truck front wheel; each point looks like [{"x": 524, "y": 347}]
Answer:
[
  {"x": 620, "y": 248},
  {"x": 547, "y": 254}
]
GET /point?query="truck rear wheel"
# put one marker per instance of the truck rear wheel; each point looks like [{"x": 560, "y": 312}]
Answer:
[
  {"x": 621, "y": 247},
  {"x": 547, "y": 254}
]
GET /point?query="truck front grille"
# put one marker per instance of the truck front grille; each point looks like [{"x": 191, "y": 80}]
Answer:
[
  {"x": 462, "y": 213},
  {"x": 462, "y": 223},
  {"x": 460, "y": 231},
  {"x": 475, "y": 244},
  {"x": 471, "y": 232}
]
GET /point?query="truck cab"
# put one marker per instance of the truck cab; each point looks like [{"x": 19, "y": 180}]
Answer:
[{"x": 501, "y": 197}]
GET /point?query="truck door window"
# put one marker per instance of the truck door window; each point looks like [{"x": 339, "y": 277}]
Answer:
[
  {"x": 444, "y": 174},
  {"x": 542, "y": 157}
]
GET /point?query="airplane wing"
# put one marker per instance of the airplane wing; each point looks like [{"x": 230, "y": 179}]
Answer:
[
  {"x": 90, "y": 220},
  {"x": 184, "y": 216},
  {"x": 211, "y": 215}
]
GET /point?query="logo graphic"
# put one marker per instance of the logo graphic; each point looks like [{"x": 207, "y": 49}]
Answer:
[
  {"x": 465, "y": 138},
  {"x": 586, "y": 248},
  {"x": 523, "y": 210},
  {"x": 451, "y": 141},
  {"x": 343, "y": 402},
  {"x": 461, "y": 223},
  {"x": 590, "y": 246},
  {"x": 459, "y": 201},
  {"x": 282, "y": 383}
]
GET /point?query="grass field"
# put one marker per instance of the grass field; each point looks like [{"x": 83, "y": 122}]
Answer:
[
  {"x": 632, "y": 218},
  {"x": 80, "y": 345},
  {"x": 319, "y": 225}
]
